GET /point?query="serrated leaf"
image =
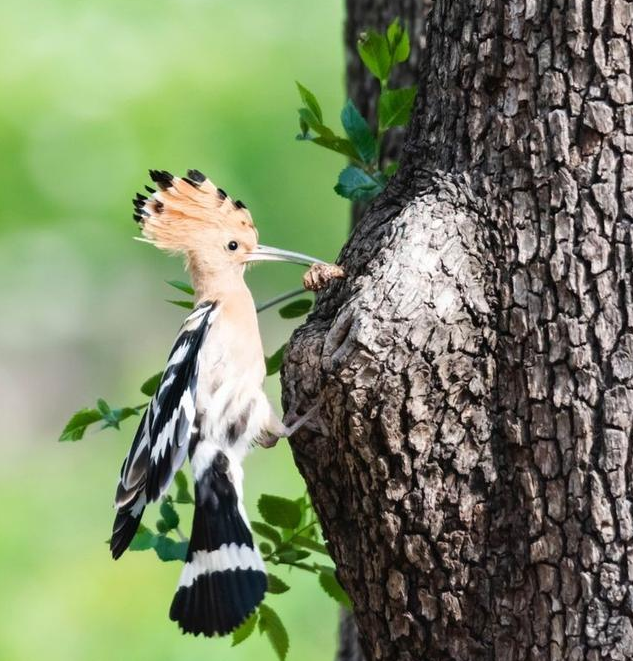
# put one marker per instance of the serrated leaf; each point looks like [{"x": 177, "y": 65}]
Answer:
[
  {"x": 104, "y": 407},
  {"x": 76, "y": 427},
  {"x": 394, "y": 107},
  {"x": 310, "y": 100},
  {"x": 373, "y": 49},
  {"x": 398, "y": 40},
  {"x": 355, "y": 184},
  {"x": 150, "y": 386},
  {"x": 169, "y": 514},
  {"x": 271, "y": 625},
  {"x": 143, "y": 540},
  {"x": 311, "y": 544},
  {"x": 295, "y": 309},
  {"x": 276, "y": 585},
  {"x": 168, "y": 549},
  {"x": 274, "y": 362},
  {"x": 244, "y": 630},
  {"x": 184, "y": 287},
  {"x": 359, "y": 133},
  {"x": 188, "y": 305},
  {"x": 182, "y": 493},
  {"x": 278, "y": 511},
  {"x": 264, "y": 530},
  {"x": 333, "y": 588}
]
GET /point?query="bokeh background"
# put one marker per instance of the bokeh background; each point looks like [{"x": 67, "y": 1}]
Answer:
[{"x": 93, "y": 94}]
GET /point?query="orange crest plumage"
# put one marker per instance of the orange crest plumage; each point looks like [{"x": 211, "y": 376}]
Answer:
[{"x": 189, "y": 211}]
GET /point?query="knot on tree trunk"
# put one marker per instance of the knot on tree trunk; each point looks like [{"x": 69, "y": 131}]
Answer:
[{"x": 401, "y": 354}]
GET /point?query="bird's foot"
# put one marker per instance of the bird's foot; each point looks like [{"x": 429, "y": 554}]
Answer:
[
  {"x": 310, "y": 416},
  {"x": 268, "y": 440}
]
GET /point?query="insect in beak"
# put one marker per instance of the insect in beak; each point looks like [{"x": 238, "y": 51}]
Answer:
[{"x": 268, "y": 254}]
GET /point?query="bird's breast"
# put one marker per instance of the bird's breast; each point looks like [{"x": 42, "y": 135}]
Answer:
[{"x": 231, "y": 405}]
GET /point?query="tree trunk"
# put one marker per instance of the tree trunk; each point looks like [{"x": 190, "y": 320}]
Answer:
[
  {"x": 473, "y": 471},
  {"x": 363, "y": 89}
]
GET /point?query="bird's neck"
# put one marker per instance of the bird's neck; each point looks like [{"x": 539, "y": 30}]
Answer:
[{"x": 217, "y": 286}]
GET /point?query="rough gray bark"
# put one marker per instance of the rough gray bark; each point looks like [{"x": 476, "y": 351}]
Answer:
[
  {"x": 473, "y": 477},
  {"x": 364, "y": 89}
]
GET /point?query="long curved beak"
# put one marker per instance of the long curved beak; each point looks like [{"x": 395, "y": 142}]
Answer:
[{"x": 268, "y": 254}]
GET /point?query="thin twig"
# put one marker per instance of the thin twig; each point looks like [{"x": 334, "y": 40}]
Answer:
[{"x": 279, "y": 299}]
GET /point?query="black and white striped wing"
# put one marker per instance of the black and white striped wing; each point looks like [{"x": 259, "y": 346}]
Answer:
[{"x": 162, "y": 440}]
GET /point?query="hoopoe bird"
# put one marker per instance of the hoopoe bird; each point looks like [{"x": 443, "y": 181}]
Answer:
[{"x": 209, "y": 404}]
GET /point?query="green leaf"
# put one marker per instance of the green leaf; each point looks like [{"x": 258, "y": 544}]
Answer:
[
  {"x": 394, "y": 32},
  {"x": 391, "y": 169},
  {"x": 332, "y": 587},
  {"x": 291, "y": 555},
  {"x": 150, "y": 386},
  {"x": 359, "y": 132},
  {"x": 311, "y": 544},
  {"x": 182, "y": 494},
  {"x": 76, "y": 426},
  {"x": 104, "y": 407},
  {"x": 118, "y": 415},
  {"x": 295, "y": 309},
  {"x": 244, "y": 630},
  {"x": 169, "y": 514},
  {"x": 271, "y": 625},
  {"x": 265, "y": 548},
  {"x": 276, "y": 585},
  {"x": 184, "y": 287},
  {"x": 339, "y": 145},
  {"x": 273, "y": 363},
  {"x": 168, "y": 549},
  {"x": 279, "y": 511},
  {"x": 373, "y": 49},
  {"x": 304, "y": 130},
  {"x": 310, "y": 101},
  {"x": 183, "y": 304},
  {"x": 109, "y": 416},
  {"x": 143, "y": 540},
  {"x": 307, "y": 117},
  {"x": 398, "y": 40},
  {"x": 264, "y": 530},
  {"x": 355, "y": 184},
  {"x": 394, "y": 107}
]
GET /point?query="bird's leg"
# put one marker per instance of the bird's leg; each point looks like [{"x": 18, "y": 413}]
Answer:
[
  {"x": 300, "y": 421},
  {"x": 279, "y": 429}
]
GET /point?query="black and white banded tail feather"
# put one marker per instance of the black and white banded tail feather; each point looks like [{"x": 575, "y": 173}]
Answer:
[
  {"x": 165, "y": 431},
  {"x": 224, "y": 578}
]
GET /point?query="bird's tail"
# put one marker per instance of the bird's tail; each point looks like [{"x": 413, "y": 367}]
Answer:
[{"x": 223, "y": 579}]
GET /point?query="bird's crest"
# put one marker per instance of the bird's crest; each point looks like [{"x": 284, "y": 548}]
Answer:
[{"x": 182, "y": 210}]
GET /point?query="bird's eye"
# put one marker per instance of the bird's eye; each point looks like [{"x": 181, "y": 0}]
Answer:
[{"x": 232, "y": 245}]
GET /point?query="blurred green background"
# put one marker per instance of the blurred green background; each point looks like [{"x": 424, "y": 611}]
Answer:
[{"x": 93, "y": 94}]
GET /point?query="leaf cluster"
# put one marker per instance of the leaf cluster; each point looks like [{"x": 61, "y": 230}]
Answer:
[{"x": 363, "y": 179}]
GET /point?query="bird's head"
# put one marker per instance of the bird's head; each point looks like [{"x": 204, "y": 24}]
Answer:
[{"x": 190, "y": 215}]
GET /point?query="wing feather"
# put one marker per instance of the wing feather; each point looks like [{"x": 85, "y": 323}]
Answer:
[{"x": 161, "y": 442}]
